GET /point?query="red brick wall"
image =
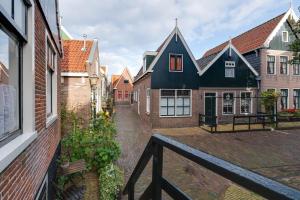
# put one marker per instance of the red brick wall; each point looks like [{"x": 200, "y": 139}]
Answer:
[
  {"x": 22, "y": 178},
  {"x": 76, "y": 96},
  {"x": 123, "y": 87}
]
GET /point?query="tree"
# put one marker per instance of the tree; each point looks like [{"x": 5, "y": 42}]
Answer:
[{"x": 295, "y": 45}]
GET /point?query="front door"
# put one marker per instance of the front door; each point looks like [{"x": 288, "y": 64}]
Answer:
[{"x": 210, "y": 108}]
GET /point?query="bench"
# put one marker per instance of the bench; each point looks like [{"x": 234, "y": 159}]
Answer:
[{"x": 74, "y": 167}]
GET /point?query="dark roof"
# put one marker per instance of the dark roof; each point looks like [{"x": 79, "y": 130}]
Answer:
[
  {"x": 204, "y": 61},
  {"x": 251, "y": 39}
]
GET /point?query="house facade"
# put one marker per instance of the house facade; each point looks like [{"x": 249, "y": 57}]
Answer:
[
  {"x": 266, "y": 48},
  {"x": 29, "y": 98},
  {"x": 83, "y": 80},
  {"x": 172, "y": 88},
  {"x": 122, "y": 86}
]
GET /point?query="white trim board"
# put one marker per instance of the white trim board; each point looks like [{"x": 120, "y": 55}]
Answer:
[
  {"x": 222, "y": 52},
  {"x": 75, "y": 74}
]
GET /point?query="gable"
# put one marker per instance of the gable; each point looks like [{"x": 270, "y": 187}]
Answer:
[
  {"x": 162, "y": 78},
  {"x": 214, "y": 76},
  {"x": 277, "y": 44}
]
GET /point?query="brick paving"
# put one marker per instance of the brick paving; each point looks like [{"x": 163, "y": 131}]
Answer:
[{"x": 274, "y": 154}]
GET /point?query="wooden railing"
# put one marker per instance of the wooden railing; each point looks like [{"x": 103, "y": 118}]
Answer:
[{"x": 261, "y": 185}]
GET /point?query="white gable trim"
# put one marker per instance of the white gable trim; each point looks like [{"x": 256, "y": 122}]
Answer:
[
  {"x": 176, "y": 30},
  {"x": 279, "y": 25},
  {"x": 222, "y": 52}
]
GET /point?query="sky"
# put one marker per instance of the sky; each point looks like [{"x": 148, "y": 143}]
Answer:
[{"x": 126, "y": 29}]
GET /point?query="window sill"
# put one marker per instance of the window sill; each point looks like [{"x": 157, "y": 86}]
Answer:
[
  {"x": 13, "y": 149},
  {"x": 185, "y": 116},
  {"x": 50, "y": 120}
]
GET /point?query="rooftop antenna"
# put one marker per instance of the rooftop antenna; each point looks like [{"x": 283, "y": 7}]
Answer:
[
  {"x": 291, "y": 4},
  {"x": 84, "y": 42},
  {"x": 176, "y": 26},
  {"x": 230, "y": 43}
]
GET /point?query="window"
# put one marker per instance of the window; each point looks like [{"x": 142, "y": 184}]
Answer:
[
  {"x": 283, "y": 65},
  {"x": 229, "y": 69},
  {"x": 228, "y": 103},
  {"x": 120, "y": 95},
  {"x": 175, "y": 63},
  {"x": 246, "y": 102},
  {"x": 285, "y": 36},
  {"x": 297, "y": 98},
  {"x": 296, "y": 68},
  {"x": 284, "y": 98},
  {"x": 175, "y": 103},
  {"x": 51, "y": 63},
  {"x": 10, "y": 90},
  {"x": 148, "y": 100},
  {"x": 270, "y": 64},
  {"x": 16, "y": 10},
  {"x": 183, "y": 102},
  {"x": 126, "y": 95},
  {"x": 126, "y": 81}
]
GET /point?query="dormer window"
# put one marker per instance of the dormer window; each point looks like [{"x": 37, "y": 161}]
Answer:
[
  {"x": 229, "y": 69},
  {"x": 175, "y": 63},
  {"x": 285, "y": 36}
]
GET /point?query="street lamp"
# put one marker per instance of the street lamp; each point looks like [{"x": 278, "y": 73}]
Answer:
[{"x": 93, "y": 81}]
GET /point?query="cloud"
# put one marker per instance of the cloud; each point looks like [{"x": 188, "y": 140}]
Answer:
[{"x": 127, "y": 28}]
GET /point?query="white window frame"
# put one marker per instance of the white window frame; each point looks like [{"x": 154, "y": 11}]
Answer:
[
  {"x": 287, "y": 67},
  {"x": 275, "y": 67},
  {"x": 251, "y": 103},
  {"x": 44, "y": 183},
  {"x": 51, "y": 118},
  {"x": 230, "y": 65},
  {"x": 294, "y": 71},
  {"x": 148, "y": 100},
  {"x": 176, "y": 116},
  {"x": 288, "y": 96},
  {"x": 234, "y": 103},
  {"x": 282, "y": 36},
  {"x": 175, "y": 54}
]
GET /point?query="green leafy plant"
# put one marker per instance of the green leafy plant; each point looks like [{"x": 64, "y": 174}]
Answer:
[
  {"x": 110, "y": 180},
  {"x": 269, "y": 100}
]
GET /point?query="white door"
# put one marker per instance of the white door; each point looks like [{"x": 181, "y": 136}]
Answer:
[{"x": 138, "y": 100}]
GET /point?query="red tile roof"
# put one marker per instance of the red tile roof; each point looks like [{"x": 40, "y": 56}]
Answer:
[
  {"x": 115, "y": 79},
  {"x": 250, "y": 40},
  {"x": 74, "y": 59}
]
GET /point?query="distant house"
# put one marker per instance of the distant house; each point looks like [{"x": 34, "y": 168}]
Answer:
[
  {"x": 83, "y": 80},
  {"x": 29, "y": 98},
  {"x": 266, "y": 48},
  {"x": 122, "y": 86},
  {"x": 172, "y": 88}
]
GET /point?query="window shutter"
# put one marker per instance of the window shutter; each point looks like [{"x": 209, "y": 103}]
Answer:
[
  {"x": 172, "y": 63},
  {"x": 179, "y": 63}
]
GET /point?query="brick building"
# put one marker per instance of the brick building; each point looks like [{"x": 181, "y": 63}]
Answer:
[
  {"x": 122, "y": 86},
  {"x": 29, "y": 98},
  {"x": 172, "y": 88},
  {"x": 79, "y": 67}
]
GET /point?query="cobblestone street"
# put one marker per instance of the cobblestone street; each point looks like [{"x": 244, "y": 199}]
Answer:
[{"x": 273, "y": 154}]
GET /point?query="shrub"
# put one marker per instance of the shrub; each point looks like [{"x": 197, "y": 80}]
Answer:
[
  {"x": 110, "y": 180},
  {"x": 269, "y": 99}
]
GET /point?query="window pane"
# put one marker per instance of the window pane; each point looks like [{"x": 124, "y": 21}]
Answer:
[
  {"x": 9, "y": 85},
  {"x": 163, "y": 102},
  {"x": 49, "y": 92},
  {"x": 20, "y": 14},
  {"x": 167, "y": 92},
  {"x": 7, "y": 5},
  {"x": 229, "y": 72},
  {"x": 163, "y": 111},
  {"x": 186, "y": 101},
  {"x": 179, "y": 102},
  {"x": 186, "y": 110},
  {"x": 183, "y": 92},
  {"x": 179, "y": 111},
  {"x": 171, "y": 102},
  {"x": 171, "y": 111}
]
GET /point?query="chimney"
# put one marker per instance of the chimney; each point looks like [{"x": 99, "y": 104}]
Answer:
[{"x": 84, "y": 42}]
